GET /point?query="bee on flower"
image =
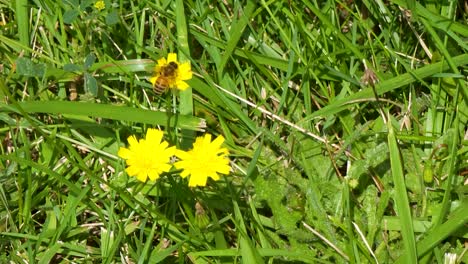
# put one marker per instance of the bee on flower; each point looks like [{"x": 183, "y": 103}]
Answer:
[
  {"x": 150, "y": 157},
  {"x": 170, "y": 74}
]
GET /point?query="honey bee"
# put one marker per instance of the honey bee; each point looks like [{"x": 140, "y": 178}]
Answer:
[{"x": 166, "y": 77}]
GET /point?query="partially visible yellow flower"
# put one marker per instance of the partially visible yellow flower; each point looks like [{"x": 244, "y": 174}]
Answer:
[
  {"x": 149, "y": 157},
  {"x": 100, "y": 5},
  {"x": 206, "y": 159},
  {"x": 173, "y": 79}
]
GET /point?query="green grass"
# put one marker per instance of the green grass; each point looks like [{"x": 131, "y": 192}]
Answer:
[{"x": 325, "y": 168}]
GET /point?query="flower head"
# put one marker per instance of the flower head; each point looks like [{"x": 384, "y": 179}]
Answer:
[
  {"x": 174, "y": 78},
  {"x": 206, "y": 159},
  {"x": 149, "y": 157},
  {"x": 99, "y": 5}
]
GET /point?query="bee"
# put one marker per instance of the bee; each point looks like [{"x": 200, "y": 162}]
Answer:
[{"x": 166, "y": 78}]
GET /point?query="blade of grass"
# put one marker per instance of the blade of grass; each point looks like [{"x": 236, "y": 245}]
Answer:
[
  {"x": 73, "y": 188},
  {"x": 114, "y": 112},
  {"x": 214, "y": 94},
  {"x": 439, "y": 21},
  {"x": 327, "y": 23},
  {"x": 139, "y": 31},
  {"x": 19, "y": 46},
  {"x": 159, "y": 254},
  {"x": 22, "y": 20},
  {"x": 324, "y": 239},
  {"x": 108, "y": 244},
  {"x": 26, "y": 180},
  {"x": 452, "y": 161},
  {"x": 50, "y": 253},
  {"x": 412, "y": 6},
  {"x": 248, "y": 252},
  {"x": 78, "y": 249},
  {"x": 267, "y": 252},
  {"x": 68, "y": 218},
  {"x": 347, "y": 211},
  {"x": 186, "y": 97},
  {"x": 236, "y": 32},
  {"x": 146, "y": 249},
  {"x": 325, "y": 71},
  {"x": 401, "y": 198},
  {"x": 456, "y": 220},
  {"x": 442, "y": 48},
  {"x": 387, "y": 86}
]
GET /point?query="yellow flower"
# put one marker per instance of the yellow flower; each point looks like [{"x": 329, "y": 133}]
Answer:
[
  {"x": 99, "y": 5},
  {"x": 173, "y": 79},
  {"x": 147, "y": 158},
  {"x": 206, "y": 159}
]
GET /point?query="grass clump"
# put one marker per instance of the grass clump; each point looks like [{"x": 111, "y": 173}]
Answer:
[{"x": 345, "y": 123}]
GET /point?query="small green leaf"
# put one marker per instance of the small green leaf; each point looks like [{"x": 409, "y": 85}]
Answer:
[
  {"x": 131, "y": 227},
  {"x": 70, "y": 16},
  {"x": 86, "y": 3},
  {"x": 91, "y": 84},
  {"x": 112, "y": 18},
  {"x": 413, "y": 183},
  {"x": 70, "y": 67},
  {"x": 89, "y": 61},
  {"x": 28, "y": 68},
  {"x": 74, "y": 3}
]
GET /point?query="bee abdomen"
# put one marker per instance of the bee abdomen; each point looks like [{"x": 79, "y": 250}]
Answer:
[{"x": 159, "y": 89}]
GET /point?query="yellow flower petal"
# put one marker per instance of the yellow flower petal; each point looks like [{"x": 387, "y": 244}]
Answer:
[
  {"x": 149, "y": 157},
  {"x": 197, "y": 180},
  {"x": 185, "y": 71},
  {"x": 132, "y": 170},
  {"x": 182, "y": 85},
  {"x": 132, "y": 140},
  {"x": 124, "y": 153},
  {"x": 142, "y": 176},
  {"x": 154, "y": 135},
  {"x": 161, "y": 62},
  {"x": 153, "y": 80},
  {"x": 175, "y": 81},
  {"x": 99, "y": 5},
  {"x": 171, "y": 57},
  {"x": 218, "y": 141},
  {"x": 206, "y": 160}
]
